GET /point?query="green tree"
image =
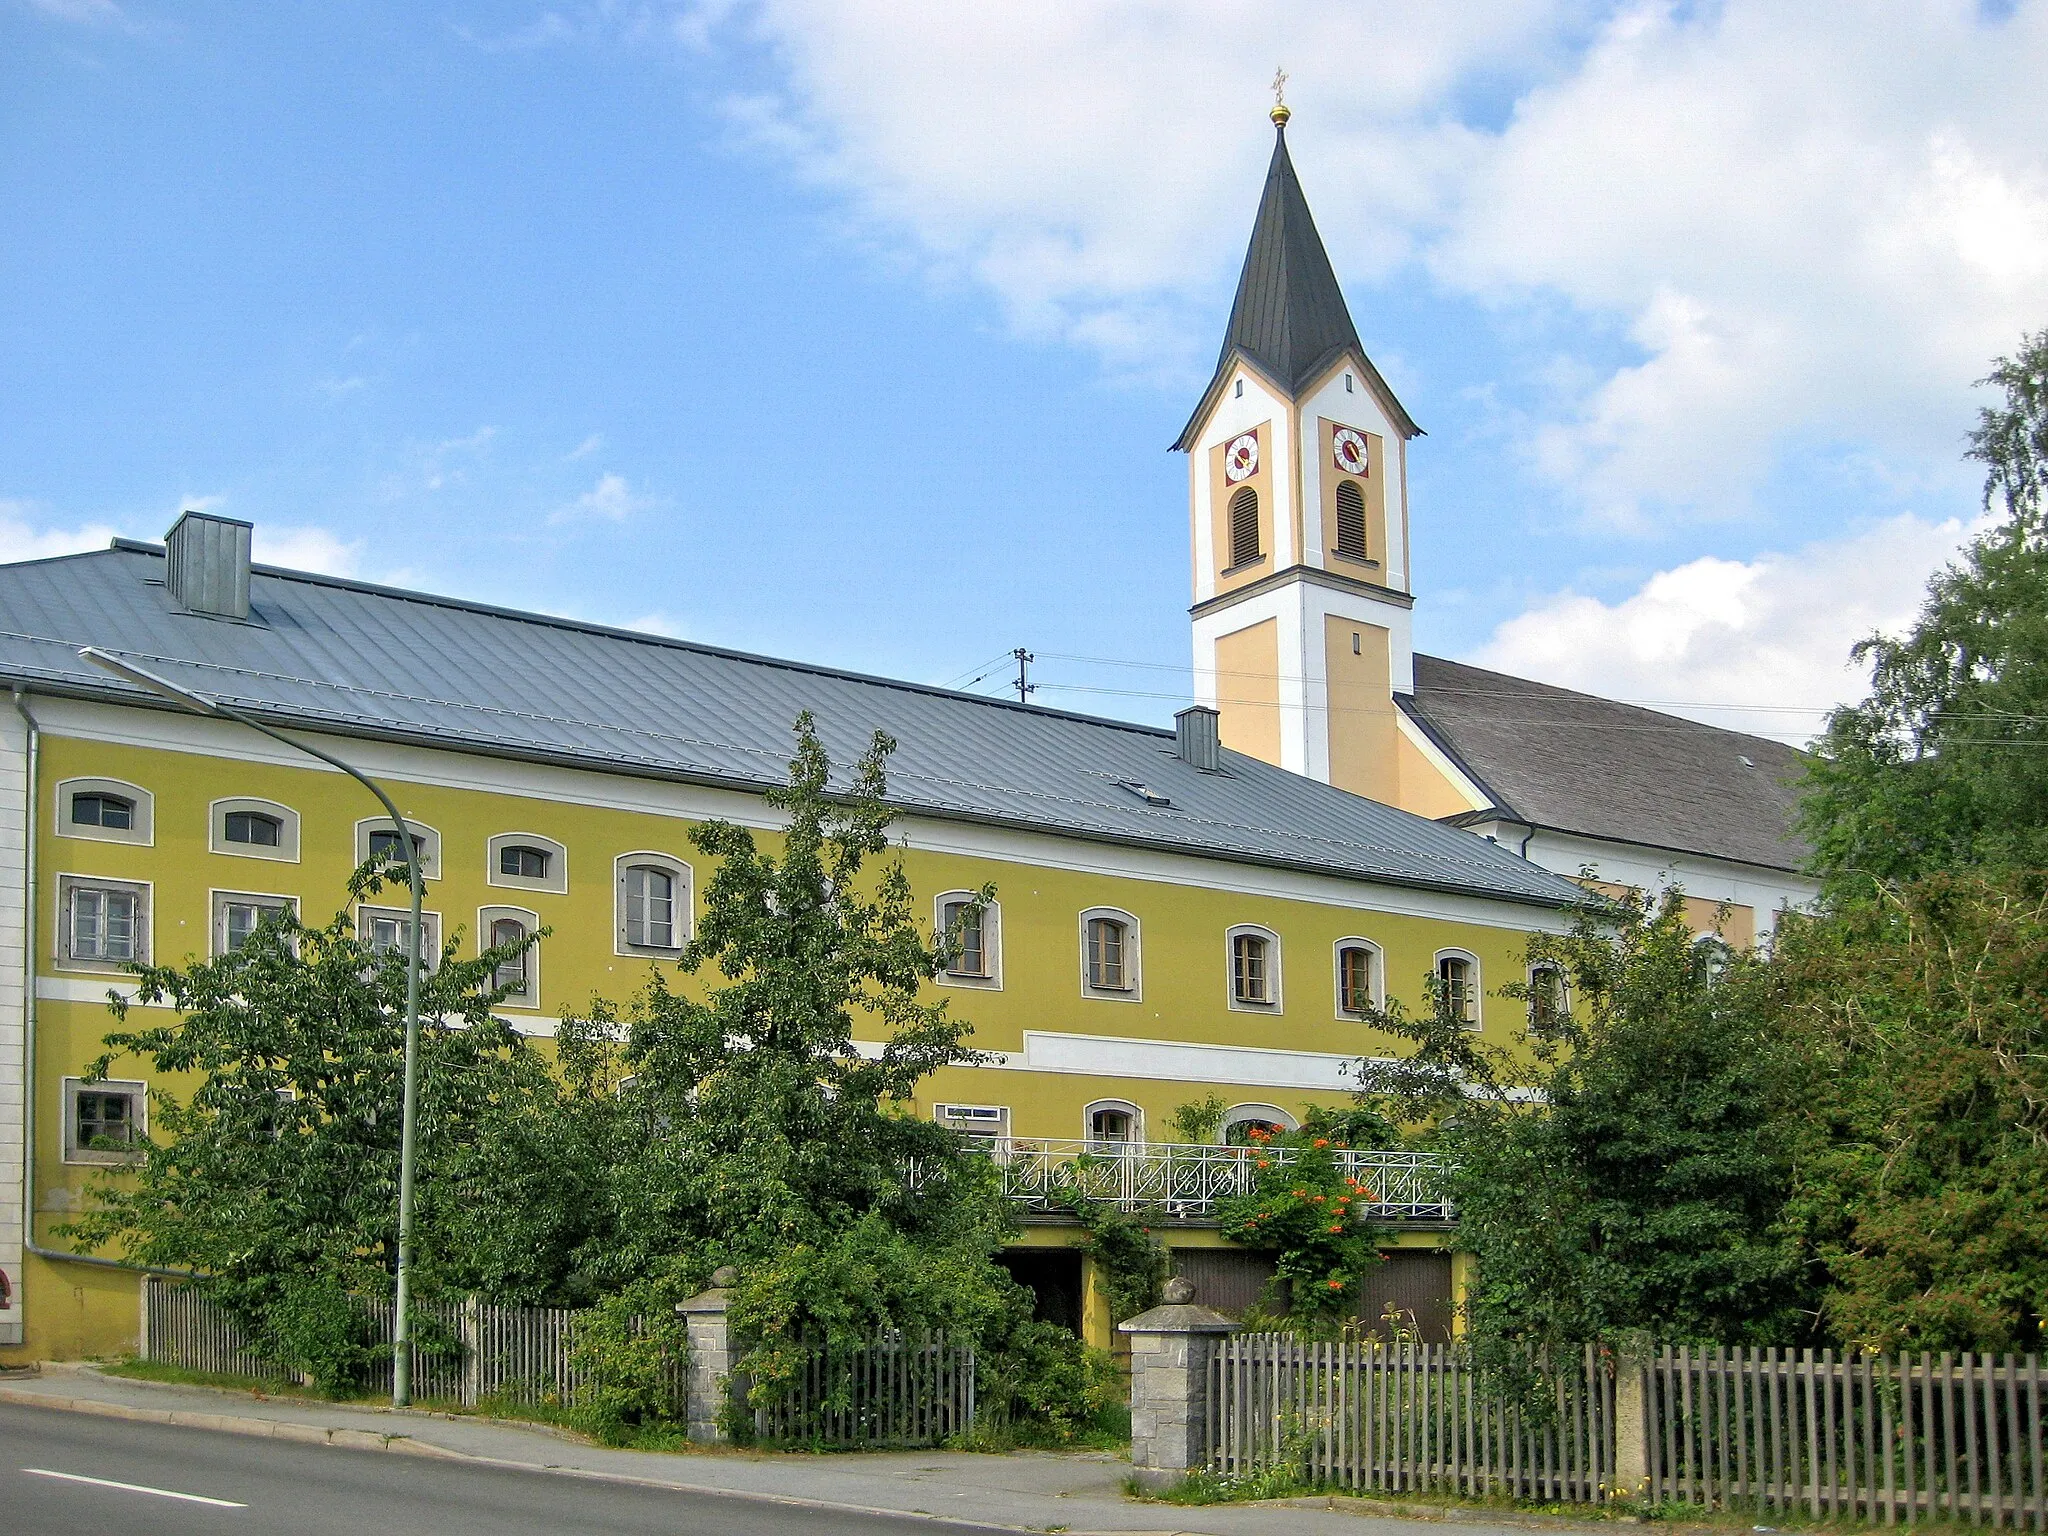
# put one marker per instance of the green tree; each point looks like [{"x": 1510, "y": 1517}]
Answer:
[
  {"x": 1945, "y": 765},
  {"x": 276, "y": 1179},
  {"x": 1616, "y": 1162},
  {"x": 762, "y": 1123},
  {"x": 1920, "y": 1026}
]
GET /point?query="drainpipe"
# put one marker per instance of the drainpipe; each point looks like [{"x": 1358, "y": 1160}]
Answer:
[{"x": 29, "y": 906}]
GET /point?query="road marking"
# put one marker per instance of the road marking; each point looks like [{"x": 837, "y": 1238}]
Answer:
[{"x": 162, "y": 1493}]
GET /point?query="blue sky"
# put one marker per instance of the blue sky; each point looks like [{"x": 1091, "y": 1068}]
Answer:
[{"x": 857, "y": 332}]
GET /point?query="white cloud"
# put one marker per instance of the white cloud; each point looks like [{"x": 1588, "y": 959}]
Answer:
[
  {"x": 1768, "y": 225},
  {"x": 659, "y": 623},
  {"x": 23, "y": 539},
  {"x": 587, "y": 447},
  {"x": 307, "y": 549},
  {"x": 611, "y": 500},
  {"x": 1759, "y": 645},
  {"x": 92, "y": 13}
]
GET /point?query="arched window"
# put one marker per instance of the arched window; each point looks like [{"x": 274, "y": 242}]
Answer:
[
  {"x": 253, "y": 829},
  {"x": 1359, "y": 977},
  {"x": 1550, "y": 999},
  {"x": 106, "y": 811},
  {"x": 1241, "y": 1121},
  {"x": 1351, "y": 521},
  {"x": 527, "y": 860},
  {"x": 1254, "y": 968},
  {"x": 1244, "y": 526},
  {"x": 116, "y": 813},
  {"x": 1457, "y": 976},
  {"x": 1109, "y": 953},
  {"x": 1113, "y": 1125},
  {"x": 973, "y": 933},
  {"x": 258, "y": 829},
  {"x": 504, "y": 928},
  {"x": 653, "y": 904},
  {"x": 377, "y": 841}
]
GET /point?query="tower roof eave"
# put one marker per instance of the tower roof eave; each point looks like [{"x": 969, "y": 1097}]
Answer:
[{"x": 1234, "y": 355}]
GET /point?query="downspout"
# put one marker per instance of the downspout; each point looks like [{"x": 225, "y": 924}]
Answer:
[{"x": 29, "y": 907}]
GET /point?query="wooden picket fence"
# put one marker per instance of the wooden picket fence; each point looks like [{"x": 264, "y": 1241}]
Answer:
[
  {"x": 471, "y": 1352},
  {"x": 1406, "y": 1418},
  {"x": 1896, "y": 1438},
  {"x": 896, "y": 1389}
]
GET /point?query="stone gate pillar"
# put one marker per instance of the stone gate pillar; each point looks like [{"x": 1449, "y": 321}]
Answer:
[
  {"x": 1171, "y": 1350},
  {"x": 709, "y": 1379}
]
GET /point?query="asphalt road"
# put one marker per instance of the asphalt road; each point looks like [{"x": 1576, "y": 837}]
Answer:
[{"x": 56, "y": 1470}]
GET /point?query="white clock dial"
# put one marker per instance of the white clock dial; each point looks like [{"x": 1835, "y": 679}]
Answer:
[
  {"x": 1348, "y": 449},
  {"x": 1241, "y": 458}
]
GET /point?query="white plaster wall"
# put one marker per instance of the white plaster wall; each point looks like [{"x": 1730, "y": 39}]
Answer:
[
  {"x": 1766, "y": 891},
  {"x": 1259, "y": 406},
  {"x": 13, "y": 1015}
]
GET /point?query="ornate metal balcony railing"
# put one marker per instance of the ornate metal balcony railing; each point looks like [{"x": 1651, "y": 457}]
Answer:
[{"x": 1179, "y": 1181}]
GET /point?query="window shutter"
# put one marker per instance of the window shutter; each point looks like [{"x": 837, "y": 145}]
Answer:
[
  {"x": 1351, "y": 521},
  {"x": 1244, "y": 526}
]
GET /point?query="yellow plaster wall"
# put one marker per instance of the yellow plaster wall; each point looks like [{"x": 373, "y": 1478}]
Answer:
[
  {"x": 1364, "y": 736},
  {"x": 1735, "y": 923},
  {"x": 1424, "y": 789},
  {"x": 1248, "y": 690},
  {"x": 72, "y": 1310}
]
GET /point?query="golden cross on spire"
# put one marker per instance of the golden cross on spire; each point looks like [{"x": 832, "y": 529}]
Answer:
[{"x": 1280, "y": 112}]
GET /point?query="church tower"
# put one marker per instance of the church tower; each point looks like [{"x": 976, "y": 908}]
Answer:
[{"x": 1298, "y": 491}]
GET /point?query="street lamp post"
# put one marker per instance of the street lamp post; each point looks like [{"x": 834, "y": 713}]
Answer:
[{"x": 401, "y": 1341}]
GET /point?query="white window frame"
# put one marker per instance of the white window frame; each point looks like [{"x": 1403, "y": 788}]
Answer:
[
  {"x": 1101, "y": 1148},
  {"x": 287, "y": 849},
  {"x": 1134, "y": 957},
  {"x": 1272, "y": 1003},
  {"x": 429, "y": 844},
  {"x": 949, "y": 1116},
  {"x": 555, "y": 880},
  {"x": 685, "y": 899},
  {"x": 430, "y": 930},
  {"x": 144, "y": 893},
  {"x": 1379, "y": 974},
  {"x": 140, "y": 835},
  {"x": 136, "y": 1091},
  {"x": 485, "y": 917},
  {"x": 1477, "y": 1020},
  {"x": 217, "y": 902},
  {"x": 1564, "y": 986},
  {"x": 991, "y": 980},
  {"x": 1238, "y": 1114}
]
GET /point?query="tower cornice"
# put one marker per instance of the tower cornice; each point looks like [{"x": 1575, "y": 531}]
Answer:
[{"x": 1336, "y": 581}]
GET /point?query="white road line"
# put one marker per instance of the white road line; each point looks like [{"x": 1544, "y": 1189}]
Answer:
[{"x": 162, "y": 1493}]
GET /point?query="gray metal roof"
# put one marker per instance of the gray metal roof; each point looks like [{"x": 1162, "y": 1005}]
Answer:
[
  {"x": 1289, "y": 317},
  {"x": 357, "y": 659},
  {"x": 1575, "y": 763}
]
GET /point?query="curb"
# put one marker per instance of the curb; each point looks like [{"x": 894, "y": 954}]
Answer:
[
  {"x": 234, "y": 1424},
  {"x": 365, "y": 1440}
]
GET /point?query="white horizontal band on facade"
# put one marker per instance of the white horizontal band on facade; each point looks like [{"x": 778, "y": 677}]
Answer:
[{"x": 1168, "y": 1061}]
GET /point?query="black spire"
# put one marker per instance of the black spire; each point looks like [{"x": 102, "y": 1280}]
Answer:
[
  {"x": 1290, "y": 316},
  {"x": 1289, "y": 319}
]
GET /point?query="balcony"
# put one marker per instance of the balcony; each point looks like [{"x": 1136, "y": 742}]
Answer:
[{"x": 1173, "y": 1181}]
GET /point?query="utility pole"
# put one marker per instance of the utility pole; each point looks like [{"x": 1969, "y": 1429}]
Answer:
[{"x": 1024, "y": 685}]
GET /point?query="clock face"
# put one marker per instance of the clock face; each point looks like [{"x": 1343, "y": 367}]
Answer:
[
  {"x": 1348, "y": 449},
  {"x": 1241, "y": 458}
]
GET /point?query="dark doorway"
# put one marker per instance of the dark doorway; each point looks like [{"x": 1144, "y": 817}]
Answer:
[
  {"x": 1227, "y": 1279},
  {"x": 1053, "y": 1276},
  {"x": 1417, "y": 1283}
]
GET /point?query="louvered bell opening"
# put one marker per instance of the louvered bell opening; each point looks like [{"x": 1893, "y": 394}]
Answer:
[
  {"x": 1244, "y": 526},
  {"x": 1351, "y": 521}
]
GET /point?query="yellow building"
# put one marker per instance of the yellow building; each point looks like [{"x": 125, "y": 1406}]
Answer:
[{"x": 1172, "y": 919}]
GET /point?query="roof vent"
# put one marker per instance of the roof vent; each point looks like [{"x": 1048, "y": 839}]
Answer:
[
  {"x": 1144, "y": 791},
  {"x": 1195, "y": 738},
  {"x": 209, "y": 565}
]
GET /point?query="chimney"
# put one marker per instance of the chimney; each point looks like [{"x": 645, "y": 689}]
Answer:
[
  {"x": 1195, "y": 738},
  {"x": 208, "y": 571}
]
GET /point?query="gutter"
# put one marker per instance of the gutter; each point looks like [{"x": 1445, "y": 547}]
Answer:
[{"x": 31, "y": 788}]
